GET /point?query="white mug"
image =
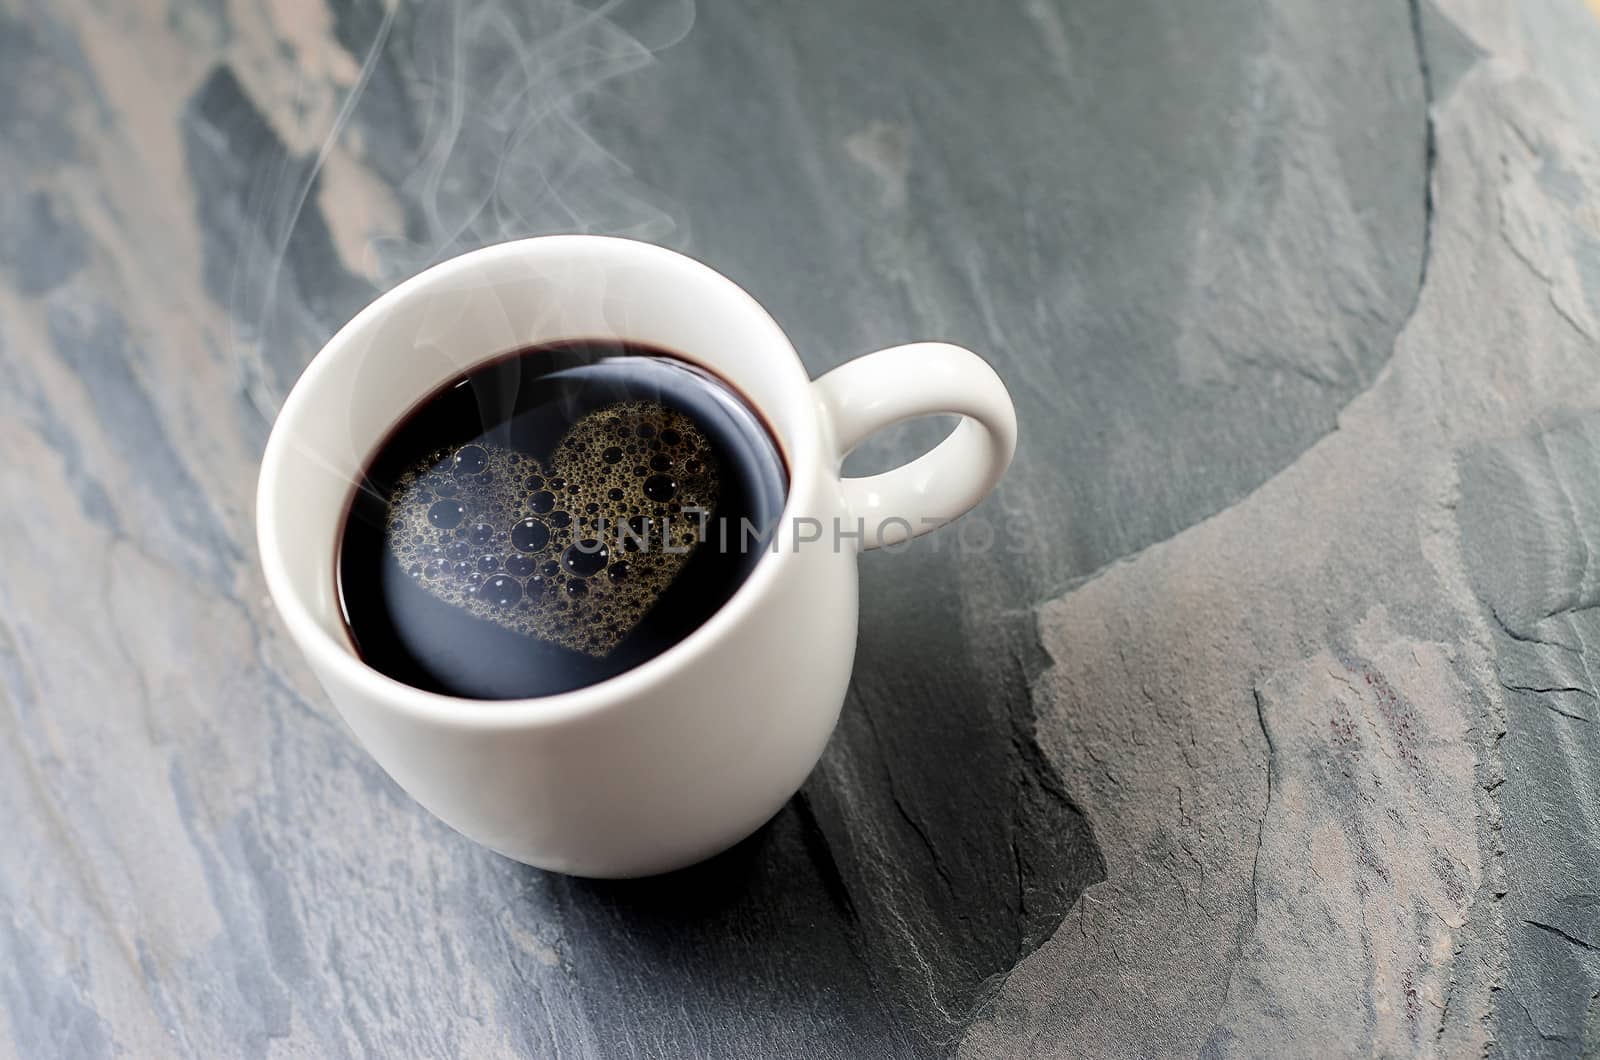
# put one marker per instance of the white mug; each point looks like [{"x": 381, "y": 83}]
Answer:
[{"x": 692, "y": 750}]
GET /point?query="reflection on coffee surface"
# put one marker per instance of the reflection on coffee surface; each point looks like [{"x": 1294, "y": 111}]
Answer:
[{"x": 555, "y": 518}]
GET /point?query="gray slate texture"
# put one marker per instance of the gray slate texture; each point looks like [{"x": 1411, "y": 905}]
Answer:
[{"x": 1265, "y": 724}]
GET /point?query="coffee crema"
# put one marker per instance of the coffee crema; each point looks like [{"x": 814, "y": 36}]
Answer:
[{"x": 554, "y": 518}]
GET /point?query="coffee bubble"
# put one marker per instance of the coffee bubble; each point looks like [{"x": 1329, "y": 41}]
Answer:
[
  {"x": 660, "y": 487},
  {"x": 470, "y": 460},
  {"x": 502, "y": 591},
  {"x": 585, "y": 559},
  {"x": 446, "y": 514},
  {"x": 529, "y": 535}
]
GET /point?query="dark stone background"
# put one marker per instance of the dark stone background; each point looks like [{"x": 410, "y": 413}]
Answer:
[{"x": 1266, "y": 723}]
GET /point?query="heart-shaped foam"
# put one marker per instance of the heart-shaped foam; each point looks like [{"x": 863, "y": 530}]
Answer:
[{"x": 576, "y": 554}]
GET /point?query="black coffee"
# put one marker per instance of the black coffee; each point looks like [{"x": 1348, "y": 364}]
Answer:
[{"x": 555, "y": 518}]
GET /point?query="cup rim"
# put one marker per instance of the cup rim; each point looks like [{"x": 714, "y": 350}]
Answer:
[{"x": 800, "y": 441}]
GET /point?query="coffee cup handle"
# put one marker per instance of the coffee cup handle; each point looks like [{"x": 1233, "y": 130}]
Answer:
[{"x": 863, "y": 396}]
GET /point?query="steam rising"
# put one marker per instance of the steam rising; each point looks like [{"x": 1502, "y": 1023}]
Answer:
[
  {"x": 474, "y": 117},
  {"x": 501, "y": 92}
]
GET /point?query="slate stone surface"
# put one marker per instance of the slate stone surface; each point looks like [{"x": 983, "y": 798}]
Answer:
[{"x": 1253, "y": 714}]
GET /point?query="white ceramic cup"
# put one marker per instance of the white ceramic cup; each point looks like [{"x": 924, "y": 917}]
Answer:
[{"x": 692, "y": 750}]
